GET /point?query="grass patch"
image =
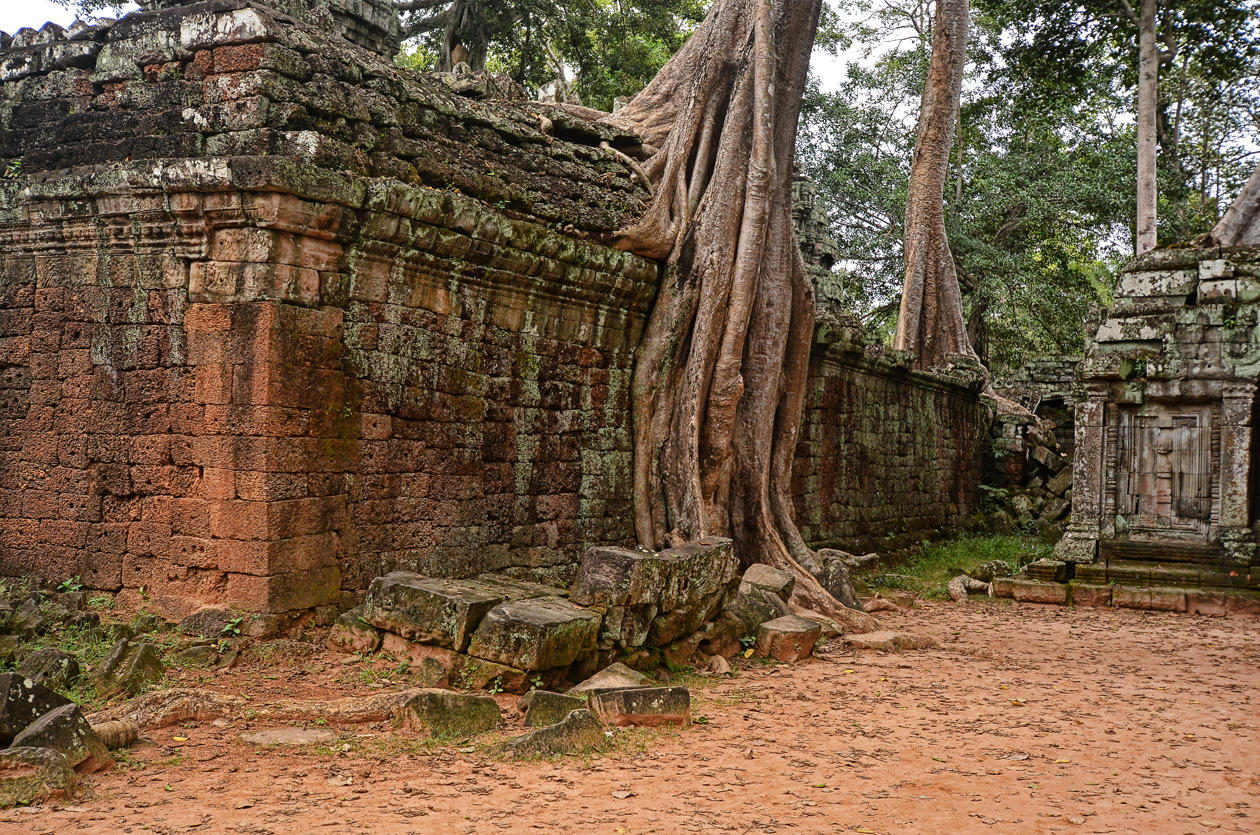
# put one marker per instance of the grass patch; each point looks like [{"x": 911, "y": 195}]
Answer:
[{"x": 927, "y": 569}]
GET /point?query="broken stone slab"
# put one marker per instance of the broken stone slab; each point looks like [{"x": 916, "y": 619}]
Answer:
[
  {"x": 696, "y": 571},
  {"x": 513, "y": 588},
  {"x": 788, "y": 639},
  {"x": 352, "y": 633},
  {"x": 754, "y": 606},
  {"x": 22, "y": 701},
  {"x": 889, "y": 641},
  {"x": 209, "y": 622},
  {"x": 65, "y": 729},
  {"x": 443, "y": 713},
  {"x": 129, "y": 667},
  {"x": 579, "y": 731},
  {"x": 644, "y": 706},
  {"x": 290, "y": 736},
  {"x": 28, "y": 775},
  {"x": 986, "y": 571},
  {"x": 429, "y": 609},
  {"x": 627, "y": 626},
  {"x": 608, "y": 577},
  {"x": 542, "y": 707},
  {"x": 432, "y": 666},
  {"x": 685, "y": 619},
  {"x": 196, "y": 655},
  {"x": 536, "y": 633},
  {"x": 1061, "y": 482},
  {"x": 615, "y": 676},
  {"x": 768, "y": 578},
  {"x": 50, "y": 667}
]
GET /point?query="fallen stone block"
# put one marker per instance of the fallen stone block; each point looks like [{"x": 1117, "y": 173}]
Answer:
[
  {"x": 442, "y": 713},
  {"x": 615, "y": 676},
  {"x": 31, "y": 774},
  {"x": 513, "y": 589},
  {"x": 767, "y": 578},
  {"x": 1061, "y": 482},
  {"x": 627, "y": 626},
  {"x": 65, "y": 729},
  {"x": 579, "y": 731},
  {"x": 696, "y": 571},
  {"x": 788, "y": 639},
  {"x": 50, "y": 667},
  {"x": 889, "y": 641},
  {"x": 537, "y": 633},
  {"x": 196, "y": 655},
  {"x": 684, "y": 620},
  {"x": 542, "y": 707},
  {"x": 985, "y": 572},
  {"x": 22, "y": 701},
  {"x": 754, "y": 606},
  {"x": 428, "y": 609},
  {"x": 129, "y": 667},
  {"x": 837, "y": 579},
  {"x": 352, "y": 633},
  {"x": 645, "y": 706},
  {"x": 210, "y": 622},
  {"x": 608, "y": 577}
]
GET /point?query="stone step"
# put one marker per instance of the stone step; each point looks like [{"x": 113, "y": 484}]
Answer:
[{"x": 1202, "y": 601}]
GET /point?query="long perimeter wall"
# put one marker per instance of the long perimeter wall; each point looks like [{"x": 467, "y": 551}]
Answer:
[{"x": 277, "y": 317}]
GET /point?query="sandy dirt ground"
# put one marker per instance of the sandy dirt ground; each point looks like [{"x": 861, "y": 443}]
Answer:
[{"x": 1024, "y": 719}]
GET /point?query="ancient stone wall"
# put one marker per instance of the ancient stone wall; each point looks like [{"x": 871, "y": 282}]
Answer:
[
  {"x": 883, "y": 450},
  {"x": 277, "y": 317}
]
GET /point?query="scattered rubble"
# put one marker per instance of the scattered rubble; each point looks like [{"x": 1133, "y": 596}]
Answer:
[
  {"x": 443, "y": 713},
  {"x": 644, "y": 706},
  {"x": 542, "y": 707},
  {"x": 788, "y": 639},
  {"x": 579, "y": 731}
]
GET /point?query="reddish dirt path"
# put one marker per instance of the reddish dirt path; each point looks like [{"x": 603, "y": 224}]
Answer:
[{"x": 1130, "y": 722}]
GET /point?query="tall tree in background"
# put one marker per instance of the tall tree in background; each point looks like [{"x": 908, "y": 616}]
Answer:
[
  {"x": 1145, "y": 237},
  {"x": 931, "y": 324},
  {"x": 1063, "y": 47},
  {"x": 719, "y": 379}
]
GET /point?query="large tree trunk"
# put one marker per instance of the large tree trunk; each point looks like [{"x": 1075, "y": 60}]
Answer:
[
  {"x": 931, "y": 324},
  {"x": 465, "y": 38},
  {"x": 1148, "y": 93},
  {"x": 1241, "y": 224},
  {"x": 719, "y": 380}
]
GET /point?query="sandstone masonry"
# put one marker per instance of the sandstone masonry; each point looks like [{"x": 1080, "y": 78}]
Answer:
[{"x": 277, "y": 318}]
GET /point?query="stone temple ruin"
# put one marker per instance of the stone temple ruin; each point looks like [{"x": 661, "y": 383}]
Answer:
[
  {"x": 278, "y": 318},
  {"x": 1164, "y": 506}
]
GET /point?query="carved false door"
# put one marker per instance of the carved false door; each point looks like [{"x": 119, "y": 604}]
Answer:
[{"x": 1163, "y": 472}]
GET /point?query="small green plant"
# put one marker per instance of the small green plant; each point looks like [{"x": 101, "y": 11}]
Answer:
[
  {"x": 101, "y": 601},
  {"x": 747, "y": 641},
  {"x": 496, "y": 686},
  {"x": 233, "y": 627},
  {"x": 12, "y": 169},
  {"x": 536, "y": 683},
  {"x": 70, "y": 584}
]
